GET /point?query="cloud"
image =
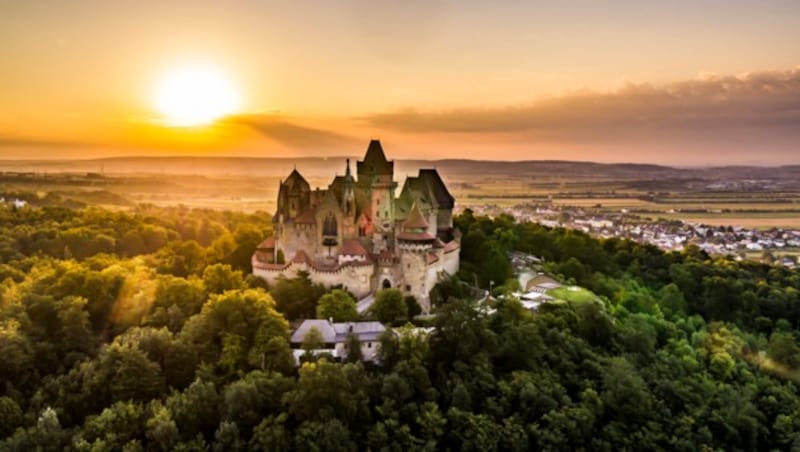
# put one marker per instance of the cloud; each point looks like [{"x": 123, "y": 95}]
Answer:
[
  {"x": 753, "y": 105},
  {"x": 293, "y": 135}
]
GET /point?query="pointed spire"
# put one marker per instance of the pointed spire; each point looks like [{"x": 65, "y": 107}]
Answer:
[
  {"x": 347, "y": 174},
  {"x": 415, "y": 219},
  {"x": 375, "y": 162}
]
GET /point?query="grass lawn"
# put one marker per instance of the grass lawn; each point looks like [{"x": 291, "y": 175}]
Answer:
[{"x": 573, "y": 294}]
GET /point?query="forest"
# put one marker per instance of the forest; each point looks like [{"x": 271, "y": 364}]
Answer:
[{"x": 143, "y": 330}]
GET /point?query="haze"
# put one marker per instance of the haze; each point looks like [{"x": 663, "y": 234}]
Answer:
[{"x": 678, "y": 83}]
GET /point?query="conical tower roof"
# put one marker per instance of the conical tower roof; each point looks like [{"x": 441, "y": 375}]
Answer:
[
  {"x": 415, "y": 219},
  {"x": 415, "y": 228}
]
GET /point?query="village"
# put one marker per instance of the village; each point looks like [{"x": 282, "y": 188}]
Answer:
[{"x": 774, "y": 245}]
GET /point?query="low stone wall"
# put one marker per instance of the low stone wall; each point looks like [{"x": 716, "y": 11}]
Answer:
[{"x": 355, "y": 277}]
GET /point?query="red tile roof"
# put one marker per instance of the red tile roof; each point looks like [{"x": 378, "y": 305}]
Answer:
[
  {"x": 268, "y": 266},
  {"x": 267, "y": 244},
  {"x": 451, "y": 246},
  {"x": 301, "y": 257},
  {"x": 386, "y": 255},
  {"x": 353, "y": 247},
  {"x": 416, "y": 236},
  {"x": 432, "y": 257},
  {"x": 415, "y": 219}
]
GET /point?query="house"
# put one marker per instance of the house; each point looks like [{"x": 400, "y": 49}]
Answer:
[{"x": 335, "y": 337}]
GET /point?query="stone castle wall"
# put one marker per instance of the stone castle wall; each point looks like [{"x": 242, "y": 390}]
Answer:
[{"x": 356, "y": 278}]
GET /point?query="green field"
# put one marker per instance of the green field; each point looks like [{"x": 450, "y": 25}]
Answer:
[
  {"x": 775, "y": 205},
  {"x": 573, "y": 294}
]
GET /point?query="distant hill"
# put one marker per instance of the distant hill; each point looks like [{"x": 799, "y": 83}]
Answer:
[{"x": 324, "y": 166}]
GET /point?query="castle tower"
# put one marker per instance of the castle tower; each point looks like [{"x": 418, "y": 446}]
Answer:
[
  {"x": 415, "y": 246},
  {"x": 293, "y": 195},
  {"x": 349, "y": 195},
  {"x": 376, "y": 179},
  {"x": 355, "y": 234}
]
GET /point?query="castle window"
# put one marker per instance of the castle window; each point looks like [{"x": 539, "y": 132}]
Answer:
[
  {"x": 408, "y": 288},
  {"x": 329, "y": 226}
]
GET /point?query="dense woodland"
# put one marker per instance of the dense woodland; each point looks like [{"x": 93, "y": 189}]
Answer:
[{"x": 141, "y": 330}]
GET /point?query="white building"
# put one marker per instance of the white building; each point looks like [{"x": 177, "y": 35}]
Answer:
[{"x": 335, "y": 337}]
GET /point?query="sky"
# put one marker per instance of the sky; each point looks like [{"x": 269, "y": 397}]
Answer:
[{"x": 684, "y": 83}]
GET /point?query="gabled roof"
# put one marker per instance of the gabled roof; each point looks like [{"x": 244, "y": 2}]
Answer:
[
  {"x": 415, "y": 187},
  {"x": 436, "y": 185},
  {"x": 375, "y": 161},
  {"x": 365, "y": 331},
  {"x": 295, "y": 179},
  {"x": 414, "y": 191},
  {"x": 353, "y": 247},
  {"x": 323, "y": 326}
]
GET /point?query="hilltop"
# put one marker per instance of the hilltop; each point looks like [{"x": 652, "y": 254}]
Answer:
[{"x": 312, "y": 166}]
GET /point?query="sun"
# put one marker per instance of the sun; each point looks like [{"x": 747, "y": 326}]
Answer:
[{"x": 195, "y": 95}]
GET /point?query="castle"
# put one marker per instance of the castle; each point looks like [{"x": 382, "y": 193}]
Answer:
[{"x": 356, "y": 234}]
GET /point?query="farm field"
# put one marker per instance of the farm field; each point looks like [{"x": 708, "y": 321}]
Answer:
[{"x": 748, "y": 197}]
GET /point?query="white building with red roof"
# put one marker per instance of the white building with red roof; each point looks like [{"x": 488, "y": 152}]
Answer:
[{"x": 359, "y": 235}]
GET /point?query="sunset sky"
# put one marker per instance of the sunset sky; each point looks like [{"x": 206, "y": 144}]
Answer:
[{"x": 673, "y": 82}]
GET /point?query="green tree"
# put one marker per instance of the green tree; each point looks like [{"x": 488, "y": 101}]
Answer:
[
  {"x": 337, "y": 305},
  {"x": 271, "y": 434},
  {"x": 389, "y": 306},
  {"x": 218, "y": 278},
  {"x": 244, "y": 401},
  {"x": 297, "y": 297},
  {"x": 160, "y": 429},
  {"x": 313, "y": 340},
  {"x": 227, "y": 438},
  {"x": 10, "y": 416},
  {"x": 247, "y": 236},
  {"x": 784, "y": 349},
  {"x": 413, "y": 308},
  {"x": 195, "y": 410},
  {"x": 353, "y": 347},
  {"x": 229, "y": 325}
]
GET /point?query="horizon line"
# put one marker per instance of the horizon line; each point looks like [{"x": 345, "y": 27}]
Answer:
[{"x": 477, "y": 161}]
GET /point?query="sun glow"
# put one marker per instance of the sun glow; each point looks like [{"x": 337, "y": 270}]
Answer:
[{"x": 196, "y": 95}]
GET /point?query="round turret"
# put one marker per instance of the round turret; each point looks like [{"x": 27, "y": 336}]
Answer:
[{"x": 415, "y": 233}]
